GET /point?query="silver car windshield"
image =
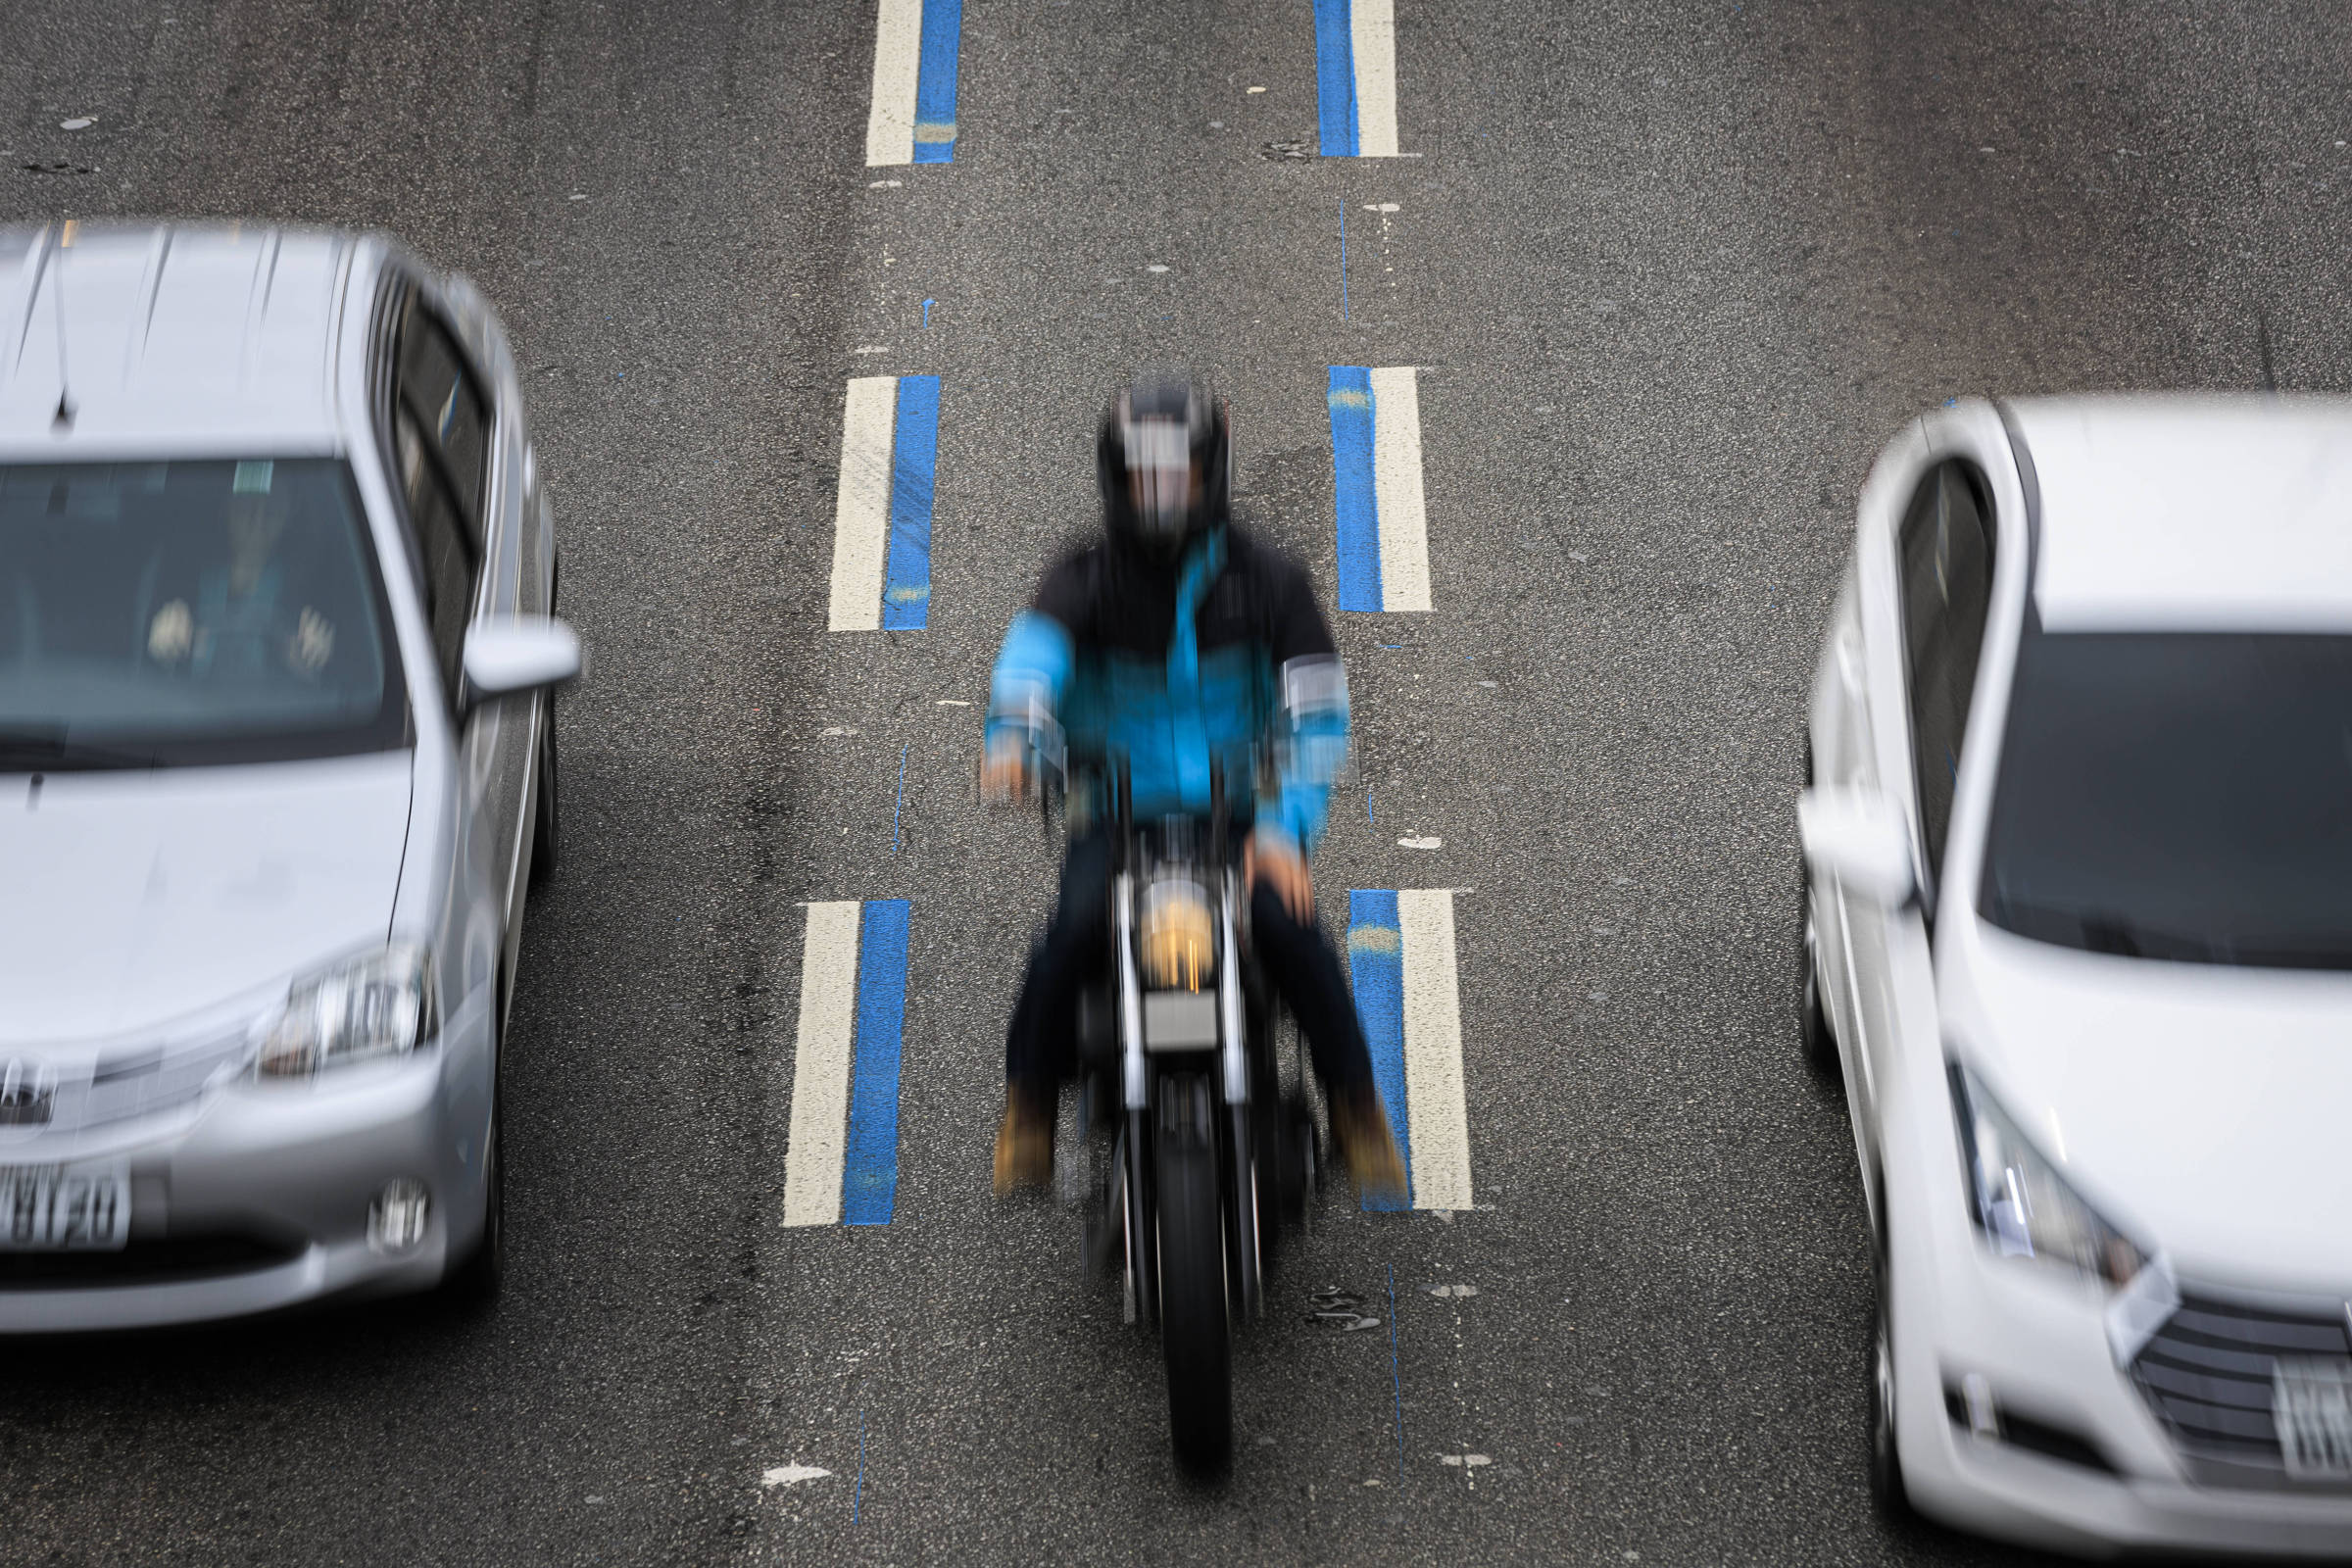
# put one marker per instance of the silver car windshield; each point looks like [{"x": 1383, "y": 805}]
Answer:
[{"x": 176, "y": 613}]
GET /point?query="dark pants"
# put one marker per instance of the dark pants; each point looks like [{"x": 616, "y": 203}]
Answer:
[{"x": 1041, "y": 1044}]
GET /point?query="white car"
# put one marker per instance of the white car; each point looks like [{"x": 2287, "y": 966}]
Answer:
[
  {"x": 276, "y": 763},
  {"x": 2079, "y": 935}
]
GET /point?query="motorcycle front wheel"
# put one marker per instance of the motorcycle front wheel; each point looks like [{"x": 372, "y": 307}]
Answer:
[{"x": 1195, "y": 1331}]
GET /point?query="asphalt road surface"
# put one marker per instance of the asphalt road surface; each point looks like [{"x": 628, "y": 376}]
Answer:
[{"x": 1671, "y": 274}]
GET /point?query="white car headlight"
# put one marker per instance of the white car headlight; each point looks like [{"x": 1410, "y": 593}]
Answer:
[
  {"x": 2020, "y": 1203},
  {"x": 377, "y": 1004}
]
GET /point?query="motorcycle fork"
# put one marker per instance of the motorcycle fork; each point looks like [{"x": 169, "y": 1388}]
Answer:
[
  {"x": 1243, "y": 1239},
  {"x": 1242, "y": 1234},
  {"x": 1135, "y": 1099},
  {"x": 1141, "y": 1282}
]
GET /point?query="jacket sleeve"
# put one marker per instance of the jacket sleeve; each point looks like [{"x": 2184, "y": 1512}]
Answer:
[
  {"x": 1025, "y": 690},
  {"x": 1040, "y": 656},
  {"x": 1310, "y": 724}
]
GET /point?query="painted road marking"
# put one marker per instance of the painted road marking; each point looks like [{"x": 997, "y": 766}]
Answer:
[
  {"x": 897, "y": 64},
  {"x": 1376, "y": 472},
  {"x": 862, "y": 506},
  {"x": 842, "y": 1163},
  {"x": 912, "y": 119},
  {"x": 1355, "y": 78},
  {"x": 1401, "y": 954},
  {"x": 821, "y": 1067},
  {"x": 1376, "y": 963},
  {"x": 882, "y": 512},
  {"x": 792, "y": 1475},
  {"x": 869, "y": 1180},
  {"x": 906, "y": 585}
]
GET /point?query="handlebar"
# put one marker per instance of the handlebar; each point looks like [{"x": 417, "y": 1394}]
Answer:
[{"x": 1048, "y": 776}]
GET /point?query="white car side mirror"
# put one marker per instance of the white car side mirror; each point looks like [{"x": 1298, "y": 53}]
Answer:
[
  {"x": 1859, "y": 839},
  {"x": 507, "y": 655}
]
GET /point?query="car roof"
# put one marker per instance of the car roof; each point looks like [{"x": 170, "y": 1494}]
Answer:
[
  {"x": 2192, "y": 512},
  {"x": 174, "y": 337}
]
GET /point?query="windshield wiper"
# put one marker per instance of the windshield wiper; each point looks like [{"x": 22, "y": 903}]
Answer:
[
  {"x": 47, "y": 746},
  {"x": 2105, "y": 932},
  {"x": 2097, "y": 930}
]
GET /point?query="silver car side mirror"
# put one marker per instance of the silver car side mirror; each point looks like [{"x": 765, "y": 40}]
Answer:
[
  {"x": 508, "y": 656},
  {"x": 1859, "y": 839}
]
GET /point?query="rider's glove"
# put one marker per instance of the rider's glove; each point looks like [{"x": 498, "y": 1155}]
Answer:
[{"x": 1004, "y": 771}]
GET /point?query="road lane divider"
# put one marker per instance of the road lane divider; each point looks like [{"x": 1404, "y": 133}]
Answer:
[
  {"x": 882, "y": 510},
  {"x": 1401, "y": 956},
  {"x": 1355, "y": 78},
  {"x": 1376, "y": 487},
  {"x": 913, "y": 118},
  {"x": 840, "y": 1164}
]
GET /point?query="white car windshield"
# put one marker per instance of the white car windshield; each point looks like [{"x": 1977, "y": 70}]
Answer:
[
  {"x": 2181, "y": 796},
  {"x": 165, "y": 614}
]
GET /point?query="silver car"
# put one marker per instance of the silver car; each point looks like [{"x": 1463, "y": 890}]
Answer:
[{"x": 277, "y": 663}]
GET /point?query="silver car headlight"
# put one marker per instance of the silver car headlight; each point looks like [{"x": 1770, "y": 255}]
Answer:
[
  {"x": 364, "y": 1008},
  {"x": 2019, "y": 1201}
]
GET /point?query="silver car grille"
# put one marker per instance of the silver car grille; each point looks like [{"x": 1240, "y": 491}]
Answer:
[
  {"x": 124, "y": 1084},
  {"x": 2207, "y": 1374}
]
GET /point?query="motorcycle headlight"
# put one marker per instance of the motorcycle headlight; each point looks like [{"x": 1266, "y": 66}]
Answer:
[
  {"x": 2019, "y": 1201},
  {"x": 364, "y": 1008},
  {"x": 1179, "y": 947}
]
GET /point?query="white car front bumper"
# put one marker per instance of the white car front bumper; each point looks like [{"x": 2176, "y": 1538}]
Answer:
[{"x": 2014, "y": 1419}]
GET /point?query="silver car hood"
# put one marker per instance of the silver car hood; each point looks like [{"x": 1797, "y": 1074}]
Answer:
[
  {"x": 2203, "y": 1107},
  {"x": 128, "y": 899}
]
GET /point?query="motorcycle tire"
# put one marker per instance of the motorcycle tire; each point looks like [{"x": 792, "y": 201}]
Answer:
[
  {"x": 1194, "y": 1330},
  {"x": 1286, "y": 1136}
]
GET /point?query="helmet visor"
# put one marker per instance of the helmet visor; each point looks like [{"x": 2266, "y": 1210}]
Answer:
[{"x": 1161, "y": 480}]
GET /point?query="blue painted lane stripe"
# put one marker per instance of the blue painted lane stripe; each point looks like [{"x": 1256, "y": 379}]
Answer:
[
  {"x": 935, "y": 82},
  {"x": 869, "y": 1177},
  {"x": 1334, "y": 77},
  {"x": 1352, "y": 488},
  {"x": 914, "y": 457},
  {"x": 1376, "y": 963}
]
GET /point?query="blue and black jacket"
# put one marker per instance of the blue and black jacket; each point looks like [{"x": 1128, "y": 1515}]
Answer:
[{"x": 1228, "y": 657}]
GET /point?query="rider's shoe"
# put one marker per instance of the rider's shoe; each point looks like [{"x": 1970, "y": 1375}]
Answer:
[
  {"x": 1024, "y": 1142},
  {"x": 1360, "y": 1126}
]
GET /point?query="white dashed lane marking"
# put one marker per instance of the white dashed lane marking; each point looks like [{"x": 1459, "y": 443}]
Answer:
[
  {"x": 1383, "y": 525},
  {"x": 842, "y": 1163},
  {"x": 1355, "y": 78},
  {"x": 913, "y": 118},
  {"x": 882, "y": 510},
  {"x": 1401, "y": 954}
]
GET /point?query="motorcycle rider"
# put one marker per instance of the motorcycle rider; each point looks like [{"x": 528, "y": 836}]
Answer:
[{"x": 1178, "y": 642}]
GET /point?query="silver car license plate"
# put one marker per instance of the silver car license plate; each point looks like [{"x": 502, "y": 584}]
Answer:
[
  {"x": 55, "y": 1208},
  {"x": 2311, "y": 1400}
]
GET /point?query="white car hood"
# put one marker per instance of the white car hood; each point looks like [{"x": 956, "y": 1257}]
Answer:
[
  {"x": 2202, "y": 1109},
  {"x": 128, "y": 899}
]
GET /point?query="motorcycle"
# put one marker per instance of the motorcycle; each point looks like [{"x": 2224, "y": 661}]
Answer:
[{"x": 1202, "y": 1144}]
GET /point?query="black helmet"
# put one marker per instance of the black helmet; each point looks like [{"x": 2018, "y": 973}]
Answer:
[{"x": 1163, "y": 464}]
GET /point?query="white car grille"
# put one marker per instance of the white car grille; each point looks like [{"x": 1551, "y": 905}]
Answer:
[{"x": 2208, "y": 1373}]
